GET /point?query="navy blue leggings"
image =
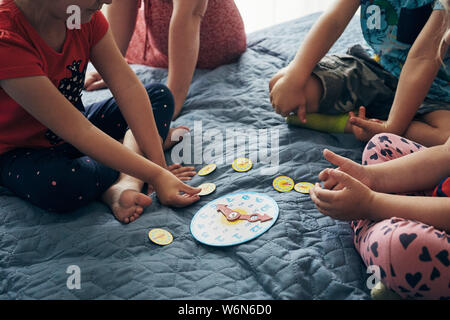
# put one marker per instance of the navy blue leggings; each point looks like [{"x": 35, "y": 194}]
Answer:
[{"x": 62, "y": 179}]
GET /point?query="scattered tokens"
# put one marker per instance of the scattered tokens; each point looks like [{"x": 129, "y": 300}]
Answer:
[
  {"x": 207, "y": 189},
  {"x": 242, "y": 164},
  {"x": 207, "y": 169},
  {"x": 283, "y": 184},
  {"x": 303, "y": 187},
  {"x": 160, "y": 236}
]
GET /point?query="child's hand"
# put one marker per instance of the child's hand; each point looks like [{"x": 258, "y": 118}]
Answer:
[
  {"x": 364, "y": 129},
  {"x": 172, "y": 192},
  {"x": 94, "y": 81},
  {"x": 182, "y": 173},
  {"x": 287, "y": 96},
  {"x": 280, "y": 74},
  {"x": 348, "y": 166},
  {"x": 352, "y": 202}
]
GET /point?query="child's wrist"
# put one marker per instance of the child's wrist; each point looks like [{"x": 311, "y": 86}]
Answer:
[
  {"x": 374, "y": 180},
  {"x": 157, "y": 177},
  {"x": 371, "y": 207},
  {"x": 296, "y": 77}
]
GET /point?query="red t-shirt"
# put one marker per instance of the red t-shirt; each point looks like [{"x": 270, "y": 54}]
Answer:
[
  {"x": 443, "y": 189},
  {"x": 23, "y": 53}
]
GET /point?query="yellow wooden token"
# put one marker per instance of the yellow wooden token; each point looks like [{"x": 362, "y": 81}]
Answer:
[
  {"x": 160, "y": 236},
  {"x": 283, "y": 184},
  {"x": 207, "y": 169},
  {"x": 303, "y": 187},
  {"x": 242, "y": 164},
  {"x": 207, "y": 188}
]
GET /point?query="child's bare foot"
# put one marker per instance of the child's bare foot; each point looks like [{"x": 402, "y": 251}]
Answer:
[
  {"x": 175, "y": 136},
  {"x": 126, "y": 204}
]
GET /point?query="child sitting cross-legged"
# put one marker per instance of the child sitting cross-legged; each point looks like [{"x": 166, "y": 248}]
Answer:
[
  {"x": 399, "y": 205},
  {"x": 60, "y": 155},
  {"x": 402, "y": 89}
]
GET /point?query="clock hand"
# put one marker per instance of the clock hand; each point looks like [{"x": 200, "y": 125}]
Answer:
[
  {"x": 255, "y": 217},
  {"x": 232, "y": 215},
  {"x": 227, "y": 212}
]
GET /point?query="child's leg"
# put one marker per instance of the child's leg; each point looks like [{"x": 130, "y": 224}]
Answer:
[
  {"x": 412, "y": 257},
  {"x": 433, "y": 129},
  {"x": 107, "y": 117},
  {"x": 347, "y": 82},
  {"x": 57, "y": 179},
  {"x": 387, "y": 146},
  {"x": 124, "y": 197},
  {"x": 61, "y": 179}
]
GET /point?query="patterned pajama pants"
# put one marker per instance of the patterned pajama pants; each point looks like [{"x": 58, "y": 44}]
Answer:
[
  {"x": 61, "y": 178},
  {"x": 413, "y": 257}
]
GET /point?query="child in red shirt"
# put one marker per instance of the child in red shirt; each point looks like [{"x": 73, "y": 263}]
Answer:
[{"x": 58, "y": 154}]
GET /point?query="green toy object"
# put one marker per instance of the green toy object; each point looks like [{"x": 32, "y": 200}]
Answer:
[
  {"x": 381, "y": 292},
  {"x": 321, "y": 122}
]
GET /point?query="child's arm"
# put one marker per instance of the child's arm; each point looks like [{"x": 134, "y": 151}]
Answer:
[
  {"x": 130, "y": 95},
  {"x": 356, "y": 201},
  {"x": 434, "y": 211},
  {"x": 421, "y": 170},
  {"x": 417, "y": 76},
  {"x": 184, "y": 44},
  {"x": 414, "y": 172},
  {"x": 44, "y": 102},
  {"x": 122, "y": 16},
  {"x": 287, "y": 89}
]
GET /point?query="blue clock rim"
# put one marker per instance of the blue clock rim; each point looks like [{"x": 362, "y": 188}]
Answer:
[{"x": 275, "y": 218}]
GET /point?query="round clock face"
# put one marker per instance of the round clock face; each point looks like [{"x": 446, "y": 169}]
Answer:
[{"x": 210, "y": 226}]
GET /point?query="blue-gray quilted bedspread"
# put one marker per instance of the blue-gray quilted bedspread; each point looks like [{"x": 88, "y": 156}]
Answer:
[{"x": 305, "y": 255}]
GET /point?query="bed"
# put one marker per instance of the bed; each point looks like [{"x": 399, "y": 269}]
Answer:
[{"x": 305, "y": 255}]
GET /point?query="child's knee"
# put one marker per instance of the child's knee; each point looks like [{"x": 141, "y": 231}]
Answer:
[
  {"x": 412, "y": 257},
  {"x": 387, "y": 146},
  {"x": 73, "y": 186},
  {"x": 161, "y": 99}
]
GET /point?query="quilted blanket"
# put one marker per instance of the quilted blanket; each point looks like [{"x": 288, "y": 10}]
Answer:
[{"x": 305, "y": 255}]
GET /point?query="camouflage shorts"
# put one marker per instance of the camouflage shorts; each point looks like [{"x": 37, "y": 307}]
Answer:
[{"x": 354, "y": 79}]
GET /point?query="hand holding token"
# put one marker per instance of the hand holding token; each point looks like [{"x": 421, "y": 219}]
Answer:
[
  {"x": 352, "y": 202},
  {"x": 357, "y": 171},
  {"x": 172, "y": 191}
]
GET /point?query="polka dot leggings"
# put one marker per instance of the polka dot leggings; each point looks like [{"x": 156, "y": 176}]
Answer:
[
  {"x": 413, "y": 258},
  {"x": 60, "y": 178}
]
